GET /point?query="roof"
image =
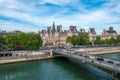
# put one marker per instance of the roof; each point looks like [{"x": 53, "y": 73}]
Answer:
[
  {"x": 92, "y": 30},
  {"x": 111, "y": 31}
]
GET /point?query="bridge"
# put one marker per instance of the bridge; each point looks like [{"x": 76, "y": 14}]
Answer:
[{"x": 107, "y": 64}]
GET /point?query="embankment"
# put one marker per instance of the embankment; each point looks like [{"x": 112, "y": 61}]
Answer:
[
  {"x": 20, "y": 56},
  {"x": 99, "y": 50}
]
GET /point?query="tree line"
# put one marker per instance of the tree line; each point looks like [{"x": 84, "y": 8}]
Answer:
[
  {"x": 27, "y": 41},
  {"x": 108, "y": 41},
  {"x": 83, "y": 39}
]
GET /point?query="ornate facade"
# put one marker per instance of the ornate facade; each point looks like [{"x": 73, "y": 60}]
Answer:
[
  {"x": 55, "y": 36},
  {"x": 108, "y": 34},
  {"x": 92, "y": 34}
]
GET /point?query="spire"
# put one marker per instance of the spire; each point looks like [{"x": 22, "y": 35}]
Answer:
[{"x": 53, "y": 26}]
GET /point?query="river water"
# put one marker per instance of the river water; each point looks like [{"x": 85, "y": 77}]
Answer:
[{"x": 54, "y": 69}]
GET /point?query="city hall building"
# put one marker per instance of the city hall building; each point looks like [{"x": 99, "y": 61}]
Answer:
[{"x": 56, "y": 37}]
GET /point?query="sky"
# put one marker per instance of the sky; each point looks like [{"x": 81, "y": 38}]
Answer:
[{"x": 35, "y": 15}]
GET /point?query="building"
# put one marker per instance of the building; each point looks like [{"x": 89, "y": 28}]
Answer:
[
  {"x": 108, "y": 34},
  {"x": 55, "y": 36},
  {"x": 92, "y": 34}
]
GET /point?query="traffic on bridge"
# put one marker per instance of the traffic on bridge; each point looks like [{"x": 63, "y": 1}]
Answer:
[{"x": 108, "y": 64}]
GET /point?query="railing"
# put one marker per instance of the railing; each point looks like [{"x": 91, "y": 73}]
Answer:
[{"x": 92, "y": 59}]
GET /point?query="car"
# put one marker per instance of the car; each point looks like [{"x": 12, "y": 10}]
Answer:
[
  {"x": 118, "y": 64},
  {"x": 87, "y": 57},
  {"x": 80, "y": 54},
  {"x": 100, "y": 59},
  {"x": 111, "y": 62}
]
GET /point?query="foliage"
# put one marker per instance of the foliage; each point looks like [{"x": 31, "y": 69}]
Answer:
[
  {"x": 11, "y": 40},
  {"x": 108, "y": 41},
  {"x": 69, "y": 39},
  {"x": 29, "y": 41},
  {"x": 34, "y": 41},
  {"x": 81, "y": 39},
  {"x": 1, "y": 41}
]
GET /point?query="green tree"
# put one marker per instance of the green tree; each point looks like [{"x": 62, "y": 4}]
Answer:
[
  {"x": 29, "y": 41},
  {"x": 98, "y": 41},
  {"x": 11, "y": 40},
  {"x": 33, "y": 41},
  {"x": 74, "y": 40},
  {"x": 69, "y": 39},
  {"x": 118, "y": 39},
  {"x": 83, "y": 39},
  {"x": 22, "y": 38},
  {"x": 1, "y": 41}
]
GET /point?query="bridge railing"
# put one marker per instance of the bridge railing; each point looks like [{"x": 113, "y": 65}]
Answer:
[{"x": 92, "y": 59}]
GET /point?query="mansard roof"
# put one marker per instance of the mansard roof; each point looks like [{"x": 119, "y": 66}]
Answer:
[
  {"x": 92, "y": 30},
  {"x": 109, "y": 31}
]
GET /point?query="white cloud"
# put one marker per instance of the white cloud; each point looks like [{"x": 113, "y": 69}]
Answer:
[
  {"x": 20, "y": 28},
  {"x": 57, "y": 2},
  {"x": 86, "y": 19}
]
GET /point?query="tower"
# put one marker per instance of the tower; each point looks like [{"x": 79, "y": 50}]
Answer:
[
  {"x": 53, "y": 26},
  {"x": 53, "y": 29}
]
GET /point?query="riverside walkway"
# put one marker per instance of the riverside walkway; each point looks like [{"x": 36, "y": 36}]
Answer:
[{"x": 108, "y": 64}]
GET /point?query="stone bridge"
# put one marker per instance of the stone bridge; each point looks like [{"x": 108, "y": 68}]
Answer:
[{"x": 107, "y": 64}]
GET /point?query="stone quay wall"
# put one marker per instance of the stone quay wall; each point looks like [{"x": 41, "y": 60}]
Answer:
[
  {"x": 20, "y": 56},
  {"x": 99, "y": 50}
]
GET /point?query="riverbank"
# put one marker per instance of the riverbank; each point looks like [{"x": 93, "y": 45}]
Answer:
[
  {"x": 99, "y": 50},
  {"x": 23, "y": 59},
  {"x": 22, "y": 56}
]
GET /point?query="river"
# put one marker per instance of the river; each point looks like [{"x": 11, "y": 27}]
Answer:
[{"x": 54, "y": 69}]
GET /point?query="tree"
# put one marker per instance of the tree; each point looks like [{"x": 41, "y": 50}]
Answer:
[
  {"x": 1, "y": 41},
  {"x": 98, "y": 41},
  {"x": 22, "y": 38},
  {"x": 69, "y": 39},
  {"x": 34, "y": 41},
  {"x": 81, "y": 39},
  {"x": 118, "y": 39},
  {"x": 11, "y": 40},
  {"x": 29, "y": 41},
  {"x": 74, "y": 40}
]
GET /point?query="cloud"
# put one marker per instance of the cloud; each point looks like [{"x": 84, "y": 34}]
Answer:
[
  {"x": 56, "y": 2},
  {"x": 6, "y": 26},
  {"x": 37, "y": 15},
  {"x": 20, "y": 28}
]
